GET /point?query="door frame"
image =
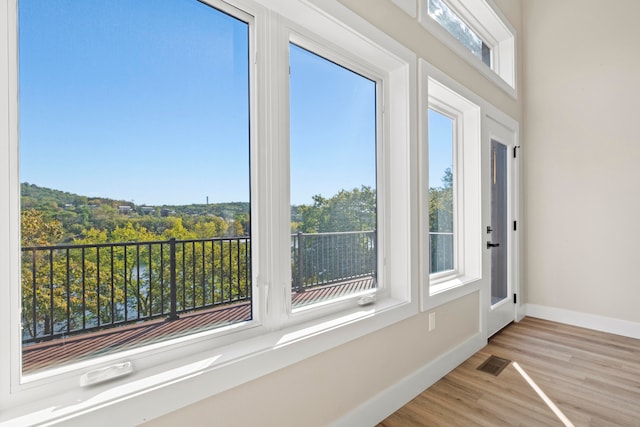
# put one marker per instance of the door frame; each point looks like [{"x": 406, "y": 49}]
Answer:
[{"x": 503, "y": 129}]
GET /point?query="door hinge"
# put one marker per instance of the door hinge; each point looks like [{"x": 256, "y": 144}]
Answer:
[
  {"x": 515, "y": 225},
  {"x": 515, "y": 298}
]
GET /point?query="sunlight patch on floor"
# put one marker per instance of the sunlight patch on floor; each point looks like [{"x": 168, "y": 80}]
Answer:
[{"x": 543, "y": 396}]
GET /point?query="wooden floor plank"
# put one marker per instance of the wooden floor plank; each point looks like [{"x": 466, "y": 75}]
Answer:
[{"x": 592, "y": 377}]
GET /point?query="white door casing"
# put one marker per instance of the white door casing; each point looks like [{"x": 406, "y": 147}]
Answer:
[{"x": 500, "y": 176}]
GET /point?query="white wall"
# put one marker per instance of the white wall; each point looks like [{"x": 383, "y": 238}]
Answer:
[
  {"x": 325, "y": 388},
  {"x": 582, "y": 156}
]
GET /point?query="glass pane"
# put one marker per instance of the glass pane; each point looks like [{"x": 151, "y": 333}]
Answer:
[
  {"x": 458, "y": 29},
  {"x": 333, "y": 179},
  {"x": 441, "y": 182},
  {"x": 134, "y": 170},
  {"x": 499, "y": 221}
]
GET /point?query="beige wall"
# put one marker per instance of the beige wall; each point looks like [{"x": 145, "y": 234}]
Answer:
[
  {"x": 323, "y": 388},
  {"x": 582, "y": 155},
  {"x": 319, "y": 390}
]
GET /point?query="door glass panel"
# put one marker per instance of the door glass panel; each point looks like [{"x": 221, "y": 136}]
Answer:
[{"x": 499, "y": 278}]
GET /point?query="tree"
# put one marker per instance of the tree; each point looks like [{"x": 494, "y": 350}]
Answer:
[
  {"x": 213, "y": 227},
  {"x": 353, "y": 210},
  {"x": 312, "y": 216},
  {"x": 117, "y": 266},
  {"x": 441, "y": 217},
  {"x": 319, "y": 258},
  {"x": 441, "y": 205},
  {"x": 36, "y": 230},
  {"x": 38, "y": 292},
  {"x": 177, "y": 230},
  {"x": 235, "y": 229}
]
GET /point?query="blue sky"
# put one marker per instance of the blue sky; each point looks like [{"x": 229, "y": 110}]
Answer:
[
  {"x": 147, "y": 101},
  {"x": 141, "y": 100},
  {"x": 440, "y": 147},
  {"x": 333, "y": 127}
]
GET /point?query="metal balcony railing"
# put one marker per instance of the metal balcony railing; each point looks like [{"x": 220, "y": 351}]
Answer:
[
  {"x": 441, "y": 250},
  {"x": 326, "y": 258},
  {"x": 68, "y": 289},
  {"x": 75, "y": 288}
]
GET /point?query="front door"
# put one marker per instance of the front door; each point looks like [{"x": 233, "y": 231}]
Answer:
[{"x": 500, "y": 229}]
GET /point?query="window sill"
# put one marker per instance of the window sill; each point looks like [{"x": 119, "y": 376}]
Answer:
[
  {"x": 142, "y": 396},
  {"x": 449, "y": 290}
]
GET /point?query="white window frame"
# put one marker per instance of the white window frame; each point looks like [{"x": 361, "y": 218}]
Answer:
[
  {"x": 488, "y": 22},
  {"x": 392, "y": 76},
  {"x": 169, "y": 375},
  {"x": 441, "y": 93},
  {"x": 338, "y": 55}
]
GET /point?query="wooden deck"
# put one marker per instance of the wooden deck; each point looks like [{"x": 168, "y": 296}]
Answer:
[
  {"x": 74, "y": 348},
  {"x": 591, "y": 378}
]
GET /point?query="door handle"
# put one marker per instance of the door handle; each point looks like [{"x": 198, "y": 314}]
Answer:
[{"x": 492, "y": 245}]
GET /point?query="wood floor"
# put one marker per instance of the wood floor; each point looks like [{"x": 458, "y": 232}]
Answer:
[{"x": 593, "y": 379}]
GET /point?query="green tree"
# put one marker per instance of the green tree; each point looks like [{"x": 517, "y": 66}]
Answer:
[
  {"x": 36, "y": 230},
  {"x": 441, "y": 224},
  {"x": 441, "y": 205},
  {"x": 235, "y": 229},
  {"x": 40, "y": 299},
  {"x": 213, "y": 227},
  {"x": 312, "y": 216},
  {"x": 108, "y": 276},
  {"x": 177, "y": 230},
  {"x": 353, "y": 210},
  {"x": 320, "y": 258}
]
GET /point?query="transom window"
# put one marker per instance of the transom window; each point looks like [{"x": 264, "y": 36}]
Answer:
[
  {"x": 450, "y": 21},
  {"x": 478, "y": 32}
]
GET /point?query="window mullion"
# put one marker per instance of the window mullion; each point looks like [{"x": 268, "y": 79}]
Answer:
[{"x": 273, "y": 174}]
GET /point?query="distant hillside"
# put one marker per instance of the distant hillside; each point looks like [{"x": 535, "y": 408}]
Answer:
[
  {"x": 35, "y": 197},
  {"x": 42, "y": 198},
  {"x": 79, "y": 214},
  {"x": 100, "y": 219},
  {"x": 223, "y": 210}
]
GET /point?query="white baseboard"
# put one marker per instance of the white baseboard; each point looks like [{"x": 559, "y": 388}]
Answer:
[
  {"x": 393, "y": 398},
  {"x": 585, "y": 320}
]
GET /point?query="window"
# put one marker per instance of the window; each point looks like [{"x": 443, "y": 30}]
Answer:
[
  {"x": 452, "y": 241},
  {"x": 442, "y": 215},
  {"x": 211, "y": 101},
  {"x": 460, "y": 30},
  {"x": 333, "y": 180},
  {"x": 119, "y": 224},
  {"x": 477, "y": 31}
]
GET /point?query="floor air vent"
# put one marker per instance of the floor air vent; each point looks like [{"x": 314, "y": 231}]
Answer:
[{"x": 494, "y": 365}]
